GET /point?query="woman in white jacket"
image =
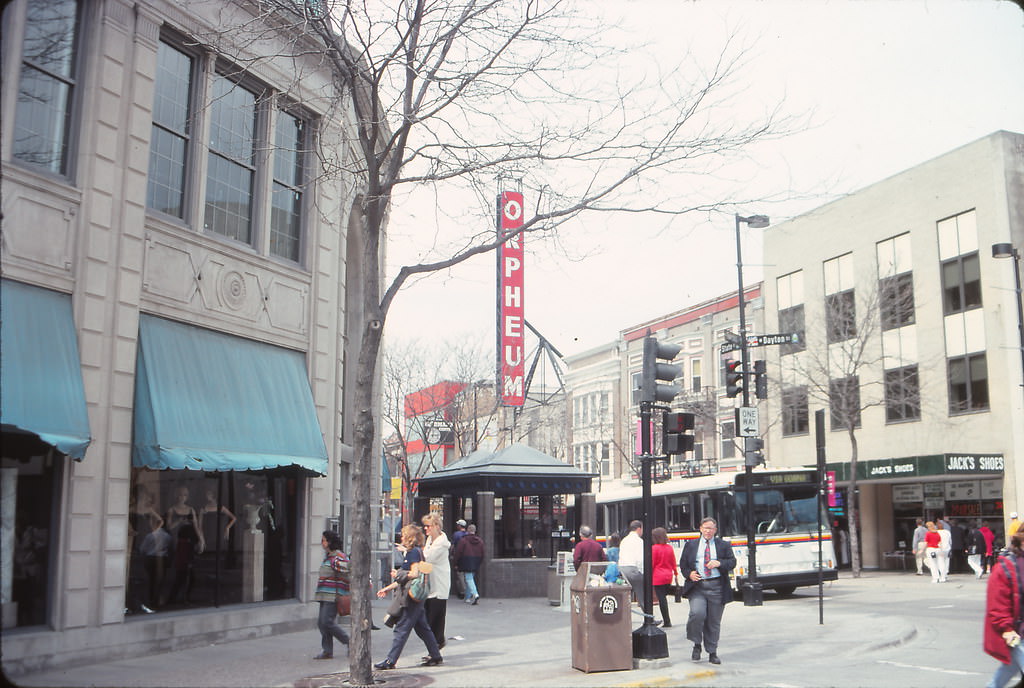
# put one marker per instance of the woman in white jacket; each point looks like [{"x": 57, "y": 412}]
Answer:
[
  {"x": 945, "y": 545},
  {"x": 436, "y": 553}
]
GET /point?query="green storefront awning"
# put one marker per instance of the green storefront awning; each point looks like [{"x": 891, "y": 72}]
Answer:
[
  {"x": 41, "y": 390},
  {"x": 209, "y": 401}
]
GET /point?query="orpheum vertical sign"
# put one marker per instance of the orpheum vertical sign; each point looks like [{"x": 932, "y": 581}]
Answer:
[{"x": 511, "y": 316}]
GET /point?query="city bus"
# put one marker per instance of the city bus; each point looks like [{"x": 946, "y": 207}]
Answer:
[{"x": 786, "y": 517}]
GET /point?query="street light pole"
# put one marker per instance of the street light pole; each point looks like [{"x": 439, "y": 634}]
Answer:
[
  {"x": 753, "y": 596},
  {"x": 1008, "y": 251}
]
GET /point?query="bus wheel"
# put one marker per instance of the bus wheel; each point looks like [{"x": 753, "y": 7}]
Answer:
[{"x": 784, "y": 590}]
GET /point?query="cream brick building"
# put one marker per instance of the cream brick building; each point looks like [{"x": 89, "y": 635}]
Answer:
[
  {"x": 903, "y": 273},
  {"x": 177, "y": 306}
]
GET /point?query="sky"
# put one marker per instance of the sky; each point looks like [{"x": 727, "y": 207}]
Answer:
[{"x": 881, "y": 86}]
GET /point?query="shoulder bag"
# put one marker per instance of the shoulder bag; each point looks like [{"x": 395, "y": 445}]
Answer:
[
  {"x": 344, "y": 604},
  {"x": 419, "y": 588}
]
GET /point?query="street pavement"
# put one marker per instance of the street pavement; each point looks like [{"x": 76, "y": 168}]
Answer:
[{"x": 881, "y": 629}]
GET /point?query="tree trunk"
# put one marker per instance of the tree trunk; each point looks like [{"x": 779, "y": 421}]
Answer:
[
  {"x": 360, "y": 670},
  {"x": 854, "y": 518}
]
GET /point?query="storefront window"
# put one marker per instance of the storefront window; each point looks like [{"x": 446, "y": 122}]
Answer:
[
  {"x": 27, "y": 497},
  {"x": 210, "y": 539}
]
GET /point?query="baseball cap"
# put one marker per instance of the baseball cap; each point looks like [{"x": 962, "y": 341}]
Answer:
[{"x": 460, "y": 522}]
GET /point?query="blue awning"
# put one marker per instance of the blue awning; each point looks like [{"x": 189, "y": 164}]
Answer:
[
  {"x": 41, "y": 391},
  {"x": 209, "y": 401}
]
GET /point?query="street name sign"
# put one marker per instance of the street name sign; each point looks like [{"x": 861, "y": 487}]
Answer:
[{"x": 760, "y": 340}]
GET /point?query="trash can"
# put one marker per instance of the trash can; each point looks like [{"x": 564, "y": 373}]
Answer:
[{"x": 600, "y": 620}]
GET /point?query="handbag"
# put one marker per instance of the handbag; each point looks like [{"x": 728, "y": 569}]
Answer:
[
  {"x": 343, "y": 604},
  {"x": 419, "y": 588},
  {"x": 678, "y": 590}
]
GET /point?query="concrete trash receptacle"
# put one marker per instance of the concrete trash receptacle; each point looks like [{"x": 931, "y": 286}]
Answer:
[{"x": 600, "y": 623}]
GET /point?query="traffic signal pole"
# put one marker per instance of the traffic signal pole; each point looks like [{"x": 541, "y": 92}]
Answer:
[{"x": 753, "y": 595}]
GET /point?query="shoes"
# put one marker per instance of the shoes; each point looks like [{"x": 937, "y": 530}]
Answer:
[
  {"x": 374, "y": 628},
  {"x": 475, "y": 598},
  {"x": 432, "y": 661},
  {"x": 385, "y": 665},
  {"x": 713, "y": 658},
  {"x": 666, "y": 625},
  {"x": 324, "y": 655},
  {"x": 695, "y": 655}
]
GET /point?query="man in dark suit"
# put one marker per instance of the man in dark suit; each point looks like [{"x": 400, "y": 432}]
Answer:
[{"x": 705, "y": 564}]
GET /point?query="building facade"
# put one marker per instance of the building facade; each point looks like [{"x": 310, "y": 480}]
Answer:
[
  {"x": 177, "y": 307},
  {"x": 605, "y": 418},
  {"x": 910, "y": 338}
]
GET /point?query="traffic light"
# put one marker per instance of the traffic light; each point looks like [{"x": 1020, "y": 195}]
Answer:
[
  {"x": 654, "y": 373},
  {"x": 674, "y": 439},
  {"x": 760, "y": 380},
  {"x": 752, "y": 454},
  {"x": 733, "y": 378}
]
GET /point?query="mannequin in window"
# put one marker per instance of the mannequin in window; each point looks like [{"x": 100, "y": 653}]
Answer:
[
  {"x": 209, "y": 520},
  {"x": 180, "y": 513}
]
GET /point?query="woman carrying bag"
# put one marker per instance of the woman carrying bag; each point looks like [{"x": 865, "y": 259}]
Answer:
[
  {"x": 332, "y": 583},
  {"x": 411, "y": 589}
]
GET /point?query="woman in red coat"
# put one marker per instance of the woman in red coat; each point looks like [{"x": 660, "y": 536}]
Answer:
[
  {"x": 1002, "y": 611},
  {"x": 663, "y": 571}
]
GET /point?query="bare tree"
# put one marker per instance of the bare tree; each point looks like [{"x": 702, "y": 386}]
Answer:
[
  {"x": 846, "y": 370},
  {"x": 454, "y": 94}
]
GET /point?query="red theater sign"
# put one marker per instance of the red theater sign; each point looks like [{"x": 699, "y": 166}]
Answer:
[{"x": 511, "y": 316}]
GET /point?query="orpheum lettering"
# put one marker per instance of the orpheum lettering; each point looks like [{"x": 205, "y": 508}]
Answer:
[{"x": 511, "y": 313}]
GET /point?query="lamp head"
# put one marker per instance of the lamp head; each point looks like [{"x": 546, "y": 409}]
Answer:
[
  {"x": 755, "y": 221},
  {"x": 1003, "y": 251}
]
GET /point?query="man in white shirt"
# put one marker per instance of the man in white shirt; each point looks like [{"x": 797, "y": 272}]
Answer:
[{"x": 631, "y": 558}]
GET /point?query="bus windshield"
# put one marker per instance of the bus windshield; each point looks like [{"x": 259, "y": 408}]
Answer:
[{"x": 785, "y": 510}]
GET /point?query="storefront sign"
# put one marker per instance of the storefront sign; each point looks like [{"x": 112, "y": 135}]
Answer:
[
  {"x": 922, "y": 466},
  {"x": 511, "y": 314},
  {"x": 962, "y": 490},
  {"x": 907, "y": 494}
]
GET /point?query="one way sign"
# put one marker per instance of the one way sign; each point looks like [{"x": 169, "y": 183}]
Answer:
[{"x": 746, "y": 421}]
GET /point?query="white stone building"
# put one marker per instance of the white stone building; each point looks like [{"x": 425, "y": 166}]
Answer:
[
  {"x": 912, "y": 327},
  {"x": 177, "y": 300}
]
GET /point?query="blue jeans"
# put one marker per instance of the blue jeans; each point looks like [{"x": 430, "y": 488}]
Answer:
[
  {"x": 471, "y": 585},
  {"x": 1005, "y": 672},
  {"x": 327, "y": 622},
  {"x": 413, "y": 618}
]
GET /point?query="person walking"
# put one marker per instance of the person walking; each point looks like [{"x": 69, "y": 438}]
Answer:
[
  {"x": 945, "y": 547},
  {"x": 631, "y": 558},
  {"x": 663, "y": 571},
  {"x": 975, "y": 549},
  {"x": 990, "y": 541},
  {"x": 435, "y": 552},
  {"x": 411, "y": 612},
  {"x": 458, "y": 578},
  {"x": 333, "y": 580},
  {"x": 705, "y": 564},
  {"x": 957, "y": 555},
  {"x": 932, "y": 545},
  {"x": 469, "y": 553},
  {"x": 587, "y": 549},
  {"x": 917, "y": 545},
  {"x": 1002, "y": 614}
]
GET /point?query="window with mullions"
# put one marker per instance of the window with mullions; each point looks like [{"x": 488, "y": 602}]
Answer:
[
  {"x": 841, "y": 316},
  {"x": 968, "y": 384},
  {"x": 286, "y": 201},
  {"x": 728, "y": 445},
  {"x": 902, "y": 394},
  {"x": 46, "y": 87},
  {"x": 844, "y": 400},
  {"x": 794, "y": 411},
  {"x": 232, "y": 164},
  {"x": 791, "y": 321},
  {"x": 896, "y": 301},
  {"x": 961, "y": 283},
  {"x": 171, "y": 132}
]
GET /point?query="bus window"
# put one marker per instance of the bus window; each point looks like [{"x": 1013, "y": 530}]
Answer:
[
  {"x": 729, "y": 523},
  {"x": 782, "y": 511},
  {"x": 707, "y": 507},
  {"x": 680, "y": 515}
]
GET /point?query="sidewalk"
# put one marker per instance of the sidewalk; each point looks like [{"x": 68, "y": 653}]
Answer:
[{"x": 526, "y": 642}]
